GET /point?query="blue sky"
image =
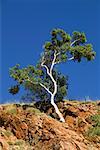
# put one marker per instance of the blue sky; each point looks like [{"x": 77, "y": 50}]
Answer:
[{"x": 26, "y": 25}]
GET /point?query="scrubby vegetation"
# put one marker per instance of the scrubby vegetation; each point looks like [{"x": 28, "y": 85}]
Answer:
[{"x": 94, "y": 130}]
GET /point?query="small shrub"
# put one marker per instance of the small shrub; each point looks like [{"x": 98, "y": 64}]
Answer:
[
  {"x": 34, "y": 111},
  {"x": 10, "y": 143},
  {"x": 12, "y": 111},
  {"x": 94, "y": 131},
  {"x": 96, "y": 120},
  {"x": 19, "y": 142},
  {"x": 8, "y": 133}
]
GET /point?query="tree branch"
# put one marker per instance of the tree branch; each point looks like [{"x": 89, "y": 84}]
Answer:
[
  {"x": 57, "y": 62},
  {"x": 46, "y": 88},
  {"x": 74, "y": 42},
  {"x": 53, "y": 62},
  {"x": 41, "y": 85},
  {"x": 47, "y": 69},
  {"x": 50, "y": 72},
  {"x": 57, "y": 54},
  {"x": 71, "y": 58}
]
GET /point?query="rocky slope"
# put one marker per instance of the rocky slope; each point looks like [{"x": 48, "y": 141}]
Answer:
[{"x": 23, "y": 127}]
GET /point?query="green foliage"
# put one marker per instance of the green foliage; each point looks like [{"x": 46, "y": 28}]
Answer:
[
  {"x": 24, "y": 76},
  {"x": 6, "y": 133},
  {"x": 19, "y": 142},
  {"x": 36, "y": 92},
  {"x": 81, "y": 51},
  {"x": 95, "y": 129},
  {"x": 62, "y": 45},
  {"x": 65, "y": 45},
  {"x": 12, "y": 111},
  {"x": 96, "y": 120},
  {"x": 79, "y": 36}
]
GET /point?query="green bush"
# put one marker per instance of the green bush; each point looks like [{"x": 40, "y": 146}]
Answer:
[
  {"x": 96, "y": 120},
  {"x": 95, "y": 129},
  {"x": 12, "y": 111}
]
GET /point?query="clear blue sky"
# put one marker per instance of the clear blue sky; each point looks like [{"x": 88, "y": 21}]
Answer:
[{"x": 26, "y": 25}]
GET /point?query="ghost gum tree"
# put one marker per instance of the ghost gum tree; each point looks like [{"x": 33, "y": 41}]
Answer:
[
  {"x": 39, "y": 94},
  {"x": 61, "y": 48}
]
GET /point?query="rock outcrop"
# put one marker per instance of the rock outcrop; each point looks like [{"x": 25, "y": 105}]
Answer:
[{"x": 28, "y": 129}]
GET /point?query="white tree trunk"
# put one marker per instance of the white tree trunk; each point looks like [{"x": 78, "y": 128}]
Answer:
[
  {"x": 56, "y": 109},
  {"x": 55, "y": 87}
]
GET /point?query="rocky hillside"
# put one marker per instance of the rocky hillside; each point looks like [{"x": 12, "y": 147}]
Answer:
[{"x": 24, "y": 127}]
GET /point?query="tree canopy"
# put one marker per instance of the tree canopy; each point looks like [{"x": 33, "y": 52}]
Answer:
[{"x": 44, "y": 77}]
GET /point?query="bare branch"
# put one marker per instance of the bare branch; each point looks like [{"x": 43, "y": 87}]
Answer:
[
  {"x": 46, "y": 88},
  {"x": 47, "y": 69},
  {"x": 50, "y": 74},
  {"x": 53, "y": 62},
  {"x": 52, "y": 65},
  {"x": 41, "y": 85},
  {"x": 71, "y": 58},
  {"x": 74, "y": 42},
  {"x": 57, "y": 62},
  {"x": 57, "y": 54}
]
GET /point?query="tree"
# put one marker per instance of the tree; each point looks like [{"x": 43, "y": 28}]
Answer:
[
  {"x": 37, "y": 93},
  {"x": 61, "y": 48}
]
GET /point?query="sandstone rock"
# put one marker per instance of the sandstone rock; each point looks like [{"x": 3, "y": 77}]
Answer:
[{"x": 41, "y": 132}]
